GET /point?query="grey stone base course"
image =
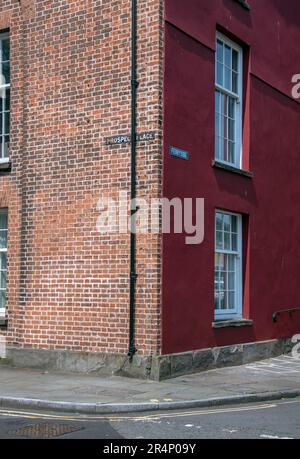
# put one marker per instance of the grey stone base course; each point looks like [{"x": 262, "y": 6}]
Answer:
[
  {"x": 157, "y": 368},
  {"x": 113, "y": 408},
  {"x": 77, "y": 362},
  {"x": 174, "y": 365}
]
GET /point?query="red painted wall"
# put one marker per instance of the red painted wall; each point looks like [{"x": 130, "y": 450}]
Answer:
[{"x": 270, "y": 201}]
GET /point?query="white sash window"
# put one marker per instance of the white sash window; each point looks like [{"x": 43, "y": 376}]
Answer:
[
  {"x": 228, "y": 266},
  {"x": 3, "y": 259},
  {"x": 228, "y": 102},
  {"x": 4, "y": 97}
]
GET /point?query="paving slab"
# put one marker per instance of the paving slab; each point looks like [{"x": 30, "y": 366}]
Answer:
[{"x": 276, "y": 377}]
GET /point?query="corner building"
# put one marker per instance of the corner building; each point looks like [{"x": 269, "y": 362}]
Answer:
[{"x": 215, "y": 81}]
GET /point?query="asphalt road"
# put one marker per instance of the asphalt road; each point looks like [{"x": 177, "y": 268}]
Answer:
[{"x": 278, "y": 420}]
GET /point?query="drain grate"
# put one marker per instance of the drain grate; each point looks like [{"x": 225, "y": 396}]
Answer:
[{"x": 46, "y": 430}]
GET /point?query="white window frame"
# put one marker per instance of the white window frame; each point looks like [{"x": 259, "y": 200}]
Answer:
[
  {"x": 238, "y": 97},
  {"x": 237, "y": 312},
  {"x": 3, "y": 87},
  {"x": 4, "y": 250}
]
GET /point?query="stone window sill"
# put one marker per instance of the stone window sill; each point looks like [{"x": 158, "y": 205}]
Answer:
[
  {"x": 234, "y": 170},
  {"x": 5, "y": 167},
  {"x": 3, "y": 322},
  {"x": 232, "y": 323}
]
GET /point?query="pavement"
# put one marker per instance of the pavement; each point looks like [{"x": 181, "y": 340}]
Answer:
[{"x": 266, "y": 380}]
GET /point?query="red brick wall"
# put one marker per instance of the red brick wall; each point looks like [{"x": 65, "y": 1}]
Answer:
[{"x": 68, "y": 285}]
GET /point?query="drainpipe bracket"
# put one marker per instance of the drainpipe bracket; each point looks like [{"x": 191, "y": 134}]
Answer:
[
  {"x": 134, "y": 276},
  {"x": 134, "y": 211}
]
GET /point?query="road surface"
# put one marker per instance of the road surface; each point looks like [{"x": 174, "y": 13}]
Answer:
[{"x": 274, "y": 420}]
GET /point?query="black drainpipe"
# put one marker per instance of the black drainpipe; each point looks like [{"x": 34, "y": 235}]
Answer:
[{"x": 134, "y": 209}]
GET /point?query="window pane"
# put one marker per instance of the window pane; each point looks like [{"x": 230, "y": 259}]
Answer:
[
  {"x": 7, "y": 123},
  {"x": 231, "y": 300},
  {"x": 223, "y": 146},
  {"x": 227, "y": 241},
  {"x": 217, "y": 281},
  {"x": 6, "y": 72},
  {"x": 231, "y": 281},
  {"x": 234, "y": 82},
  {"x": 222, "y": 280},
  {"x": 219, "y": 240},
  {"x": 3, "y": 260},
  {"x": 5, "y": 50},
  {"x": 3, "y": 280},
  {"x": 234, "y": 227},
  {"x": 217, "y": 301},
  {"x": 219, "y": 74},
  {"x": 231, "y": 263},
  {"x": 217, "y": 147},
  {"x": 223, "y": 104},
  {"x": 231, "y": 130},
  {"x": 2, "y": 299},
  {"x": 3, "y": 230},
  {"x": 225, "y": 127},
  {"x": 3, "y": 220},
  {"x": 219, "y": 222},
  {"x": 219, "y": 51},
  {"x": 6, "y": 147},
  {"x": 7, "y": 100},
  {"x": 228, "y": 78},
  {"x": 234, "y": 242},
  {"x": 3, "y": 239},
  {"x": 218, "y": 124},
  {"x": 231, "y": 108},
  {"x": 228, "y": 56},
  {"x": 218, "y": 102},
  {"x": 222, "y": 301},
  {"x": 227, "y": 222},
  {"x": 235, "y": 60},
  {"x": 220, "y": 262},
  {"x": 231, "y": 155}
]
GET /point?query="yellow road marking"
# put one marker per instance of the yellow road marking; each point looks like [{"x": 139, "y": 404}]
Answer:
[{"x": 82, "y": 418}]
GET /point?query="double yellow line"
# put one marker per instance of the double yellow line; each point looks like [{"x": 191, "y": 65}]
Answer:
[{"x": 109, "y": 418}]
